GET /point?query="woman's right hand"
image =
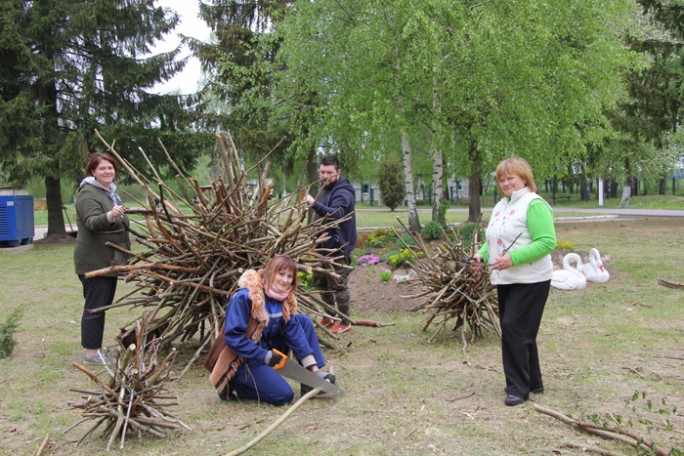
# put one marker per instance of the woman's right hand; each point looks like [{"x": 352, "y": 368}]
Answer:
[{"x": 116, "y": 212}]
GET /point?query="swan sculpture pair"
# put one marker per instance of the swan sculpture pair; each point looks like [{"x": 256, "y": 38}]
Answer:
[{"x": 576, "y": 277}]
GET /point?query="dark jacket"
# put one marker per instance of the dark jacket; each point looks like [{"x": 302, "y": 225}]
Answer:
[
  {"x": 94, "y": 230},
  {"x": 340, "y": 202}
]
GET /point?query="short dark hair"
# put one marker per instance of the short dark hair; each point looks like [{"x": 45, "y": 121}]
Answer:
[
  {"x": 330, "y": 160},
  {"x": 96, "y": 158}
]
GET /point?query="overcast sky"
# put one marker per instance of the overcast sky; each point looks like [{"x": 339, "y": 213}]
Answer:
[{"x": 190, "y": 25}]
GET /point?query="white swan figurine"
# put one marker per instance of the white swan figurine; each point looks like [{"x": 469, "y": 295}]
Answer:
[
  {"x": 570, "y": 277},
  {"x": 594, "y": 270}
]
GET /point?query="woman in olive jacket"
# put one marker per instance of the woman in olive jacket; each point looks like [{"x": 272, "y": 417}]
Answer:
[{"x": 100, "y": 219}]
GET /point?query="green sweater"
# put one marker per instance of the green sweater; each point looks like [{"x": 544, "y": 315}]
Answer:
[{"x": 94, "y": 231}]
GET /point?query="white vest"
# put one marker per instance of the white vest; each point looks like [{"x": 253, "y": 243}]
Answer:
[{"x": 509, "y": 219}]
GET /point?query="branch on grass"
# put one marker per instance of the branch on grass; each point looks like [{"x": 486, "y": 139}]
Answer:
[
  {"x": 669, "y": 284},
  {"x": 608, "y": 432},
  {"x": 276, "y": 423}
]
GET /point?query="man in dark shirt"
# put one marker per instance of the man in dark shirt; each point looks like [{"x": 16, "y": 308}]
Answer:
[{"x": 335, "y": 200}]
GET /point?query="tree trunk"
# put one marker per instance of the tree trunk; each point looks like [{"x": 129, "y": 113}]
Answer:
[
  {"x": 54, "y": 208},
  {"x": 662, "y": 186},
  {"x": 474, "y": 184},
  {"x": 312, "y": 177},
  {"x": 437, "y": 182},
  {"x": 437, "y": 163},
  {"x": 413, "y": 221},
  {"x": 627, "y": 190}
]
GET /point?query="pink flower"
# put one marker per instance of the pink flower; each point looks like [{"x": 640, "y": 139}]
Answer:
[{"x": 369, "y": 260}]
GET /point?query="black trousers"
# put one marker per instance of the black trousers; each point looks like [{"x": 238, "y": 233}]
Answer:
[
  {"x": 98, "y": 292},
  {"x": 520, "y": 312}
]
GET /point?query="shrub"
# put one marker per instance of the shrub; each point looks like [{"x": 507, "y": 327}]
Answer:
[
  {"x": 408, "y": 240},
  {"x": 305, "y": 281},
  {"x": 390, "y": 177},
  {"x": 380, "y": 238},
  {"x": 565, "y": 246},
  {"x": 398, "y": 259},
  {"x": 467, "y": 234},
  {"x": 444, "y": 204},
  {"x": 7, "y": 330},
  {"x": 432, "y": 230}
]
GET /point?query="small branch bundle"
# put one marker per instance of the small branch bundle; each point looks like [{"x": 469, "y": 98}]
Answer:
[
  {"x": 200, "y": 240},
  {"x": 134, "y": 398},
  {"x": 608, "y": 432},
  {"x": 455, "y": 288}
]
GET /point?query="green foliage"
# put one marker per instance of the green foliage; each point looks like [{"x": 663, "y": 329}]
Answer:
[
  {"x": 386, "y": 276},
  {"x": 305, "y": 281},
  {"x": 390, "y": 176},
  {"x": 74, "y": 68},
  {"x": 407, "y": 240},
  {"x": 404, "y": 256},
  {"x": 380, "y": 238},
  {"x": 432, "y": 230},
  {"x": 467, "y": 234},
  {"x": 7, "y": 330},
  {"x": 444, "y": 205},
  {"x": 565, "y": 246}
]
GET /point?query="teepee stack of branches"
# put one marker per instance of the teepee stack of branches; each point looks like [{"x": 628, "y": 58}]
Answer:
[
  {"x": 459, "y": 294},
  {"x": 198, "y": 241},
  {"x": 133, "y": 397}
]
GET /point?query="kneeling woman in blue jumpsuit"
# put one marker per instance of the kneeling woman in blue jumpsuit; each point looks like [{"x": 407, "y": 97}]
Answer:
[{"x": 261, "y": 316}]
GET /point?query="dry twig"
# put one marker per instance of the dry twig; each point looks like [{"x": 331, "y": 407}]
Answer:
[
  {"x": 193, "y": 257},
  {"x": 455, "y": 288},
  {"x": 133, "y": 397}
]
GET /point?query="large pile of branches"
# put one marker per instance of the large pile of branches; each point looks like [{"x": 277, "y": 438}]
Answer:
[
  {"x": 132, "y": 397},
  {"x": 198, "y": 241},
  {"x": 459, "y": 294}
]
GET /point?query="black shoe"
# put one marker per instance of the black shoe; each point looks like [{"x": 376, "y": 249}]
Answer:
[
  {"x": 537, "y": 390},
  {"x": 227, "y": 395},
  {"x": 512, "y": 399}
]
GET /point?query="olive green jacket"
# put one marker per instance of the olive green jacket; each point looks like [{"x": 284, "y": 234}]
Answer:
[{"x": 94, "y": 230}]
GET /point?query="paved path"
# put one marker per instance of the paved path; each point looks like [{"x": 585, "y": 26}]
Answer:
[{"x": 559, "y": 210}]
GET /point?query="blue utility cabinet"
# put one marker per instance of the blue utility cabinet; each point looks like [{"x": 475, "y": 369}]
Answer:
[{"x": 16, "y": 220}]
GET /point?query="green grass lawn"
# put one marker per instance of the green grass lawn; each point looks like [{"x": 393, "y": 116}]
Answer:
[{"x": 609, "y": 353}]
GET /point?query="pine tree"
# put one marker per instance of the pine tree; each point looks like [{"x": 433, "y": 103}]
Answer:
[{"x": 89, "y": 67}]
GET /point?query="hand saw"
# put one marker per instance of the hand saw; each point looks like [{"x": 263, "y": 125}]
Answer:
[{"x": 296, "y": 371}]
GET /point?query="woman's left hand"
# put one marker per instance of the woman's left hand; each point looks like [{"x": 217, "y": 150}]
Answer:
[{"x": 501, "y": 263}]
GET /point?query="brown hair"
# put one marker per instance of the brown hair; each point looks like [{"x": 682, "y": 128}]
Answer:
[
  {"x": 96, "y": 158},
  {"x": 518, "y": 167},
  {"x": 277, "y": 264}
]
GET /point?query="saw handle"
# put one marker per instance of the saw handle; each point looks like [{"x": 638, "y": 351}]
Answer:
[{"x": 283, "y": 358}]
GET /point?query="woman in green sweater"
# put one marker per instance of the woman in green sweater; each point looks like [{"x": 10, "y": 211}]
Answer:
[
  {"x": 100, "y": 218},
  {"x": 520, "y": 238}
]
